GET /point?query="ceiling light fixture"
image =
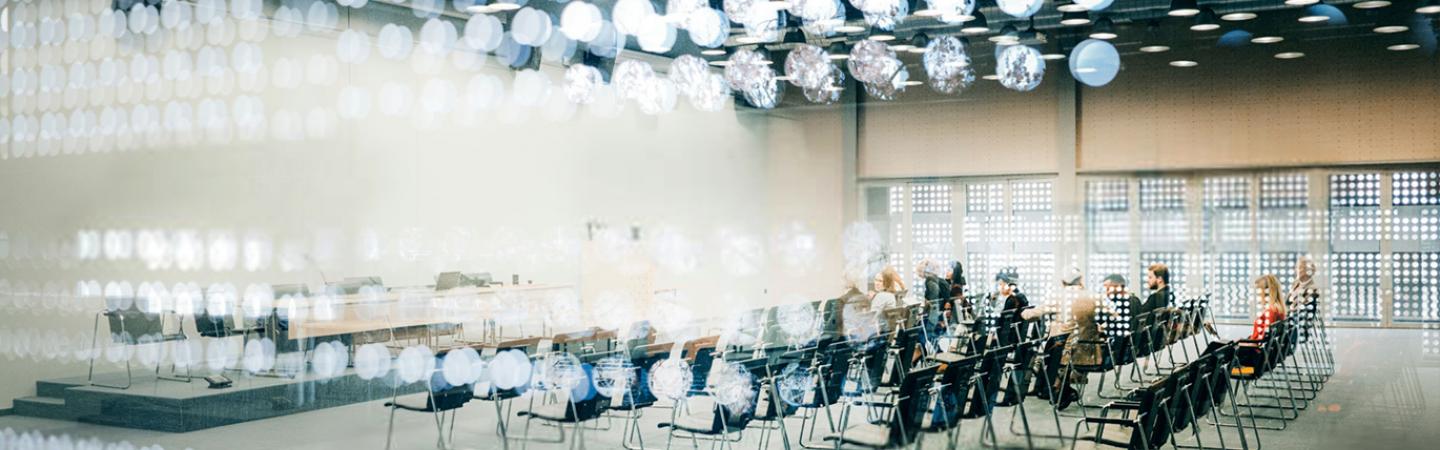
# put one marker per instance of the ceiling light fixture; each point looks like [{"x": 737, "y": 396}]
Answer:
[
  {"x": 1289, "y": 55},
  {"x": 977, "y": 25},
  {"x": 1391, "y": 29},
  {"x": 1183, "y": 8},
  {"x": 1312, "y": 17},
  {"x": 1074, "y": 18},
  {"x": 1154, "y": 49},
  {"x": 991, "y": 77},
  {"x": 1402, "y": 47},
  {"x": 838, "y": 51},
  {"x": 1104, "y": 29},
  {"x": 1070, "y": 7},
  {"x": 1428, "y": 7},
  {"x": 882, "y": 37},
  {"x": 849, "y": 29},
  {"x": 1183, "y": 63},
  {"x": 1205, "y": 21},
  {"x": 1238, "y": 16},
  {"x": 504, "y": 6},
  {"x": 1052, "y": 56},
  {"x": 1372, "y": 4},
  {"x": 1301, "y": 2},
  {"x": 1007, "y": 35},
  {"x": 919, "y": 43},
  {"x": 713, "y": 52},
  {"x": 1267, "y": 39}
]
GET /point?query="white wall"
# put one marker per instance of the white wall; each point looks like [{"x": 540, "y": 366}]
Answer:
[{"x": 481, "y": 192}]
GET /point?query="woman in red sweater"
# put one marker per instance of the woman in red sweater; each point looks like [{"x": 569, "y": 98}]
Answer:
[{"x": 1272, "y": 302}]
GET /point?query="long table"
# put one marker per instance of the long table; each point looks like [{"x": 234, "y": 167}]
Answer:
[{"x": 403, "y": 308}]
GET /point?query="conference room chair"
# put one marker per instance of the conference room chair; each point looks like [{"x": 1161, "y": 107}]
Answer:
[
  {"x": 130, "y": 327},
  {"x": 715, "y": 420},
  {"x": 572, "y": 405},
  {"x": 442, "y": 401},
  {"x": 1272, "y": 349},
  {"x": 906, "y": 411},
  {"x": 949, "y": 394},
  {"x": 830, "y": 364}
]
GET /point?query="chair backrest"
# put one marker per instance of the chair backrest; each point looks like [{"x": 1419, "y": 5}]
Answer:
[
  {"x": 912, "y": 404},
  {"x": 128, "y": 326},
  {"x": 214, "y": 326}
]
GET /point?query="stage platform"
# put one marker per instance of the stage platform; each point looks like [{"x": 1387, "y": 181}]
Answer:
[{"x": 162, "y": 405}]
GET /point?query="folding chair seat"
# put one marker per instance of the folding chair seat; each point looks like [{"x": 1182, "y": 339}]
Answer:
[
  {"x": 440, "y": 398},
  {"x": 906, "y": 412}
]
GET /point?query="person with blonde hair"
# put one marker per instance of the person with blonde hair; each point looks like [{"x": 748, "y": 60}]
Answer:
[
  {"x": 889, "y": 289},
  {"x": 1272, "y": 303}
]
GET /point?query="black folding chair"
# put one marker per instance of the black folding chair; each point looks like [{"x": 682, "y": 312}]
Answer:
[
  {"x": 440, "y": 398},
  {"x": 907, "y": 409}
]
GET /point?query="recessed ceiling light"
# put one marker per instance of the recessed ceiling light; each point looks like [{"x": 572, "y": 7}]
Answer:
[
  {"x": 849, "y": 29},
  {"x": 1074, "y": 18},
  {"x": 912, "y": 83},
  {"x": 1313, "y": 19},
  {"x": 1391, "y": 29},
  {"x": 1070, "y": 7},
  {"x": 504, "y": 6},
  {"x": 480, "y": 9},
  {"x": 1372, "y": 4},
  {"x": 929, "y": 12},
  {"x": 1428, "y": 7},
  {"x": 782, "y": 78},
  {"x": 1402, "y": 47},
  {"x": 713, "y": 52},
  {"x": 1155, "y": 49},
  {"x": 1052, "y": 56},
  {"x": 1238, "y": 16},
  {"x": 991, "y": 77},
  {"x": 1103, "y": 35},
  {"x": 901, "y": 47},
  {"x": 1184, "y": 63},
  {"x": 720, "y": 63},
  {"x": 747, "y": 39},
  {"x": 916, "y": 50},
  {"x": 1301, "y": 2},
  {"x": 1183, "y": 8},
  {"x": 881, "y": 37},
  {"x": 1267, "y": 39},
  {"x": 1289, "y": 55}
]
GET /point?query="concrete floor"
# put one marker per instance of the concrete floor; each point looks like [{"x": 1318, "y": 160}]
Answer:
[{"x": 1377, "y": 399}]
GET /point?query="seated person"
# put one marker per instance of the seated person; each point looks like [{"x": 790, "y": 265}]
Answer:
[
  {"x": 1272, "y": 301},
  {"x": 1078, "y": 351}
]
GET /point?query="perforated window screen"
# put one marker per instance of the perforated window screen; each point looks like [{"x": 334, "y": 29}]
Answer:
[
  {"x": 1036, "y": 271},
  {"x": 930, "y": 198},
  {"x": 1355, "y": 189},
  {"x": 1230, "y": 285},
  {"x": 1032, "y": 196},
  {"x": 1415, "y": 188},
  {"x": 1162, "y": 194},
  {"x": 1280, "y": 264},
  {"x": 1102, "y": 265},
  {"x": 1107, "y": 195},
  {"x": 1284, "y": 191},
  {"x": 1355, "y": 286},
  {"x": 1417, "y": 296},
  {"x": 1227, "y": 192},
  {"x": 985, "y": 198}
]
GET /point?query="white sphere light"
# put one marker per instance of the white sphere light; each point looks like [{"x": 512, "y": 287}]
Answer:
[
  {"x": 883, "y": 14},
  {"x": 1094, "y": 5},
  {"x": 1020, "y": 68},
  {"x": 947, "y": 65},
  {"x": 1020, "y": 8},
  {"x": 531, "y": 27},
  {"x": 656, "y": 35},
  {"x": 484, "y": 32},
  {"x": 1094, "y": 62},
  {"x": 707, "y": 27},
  {"x": 415, "y": 363},
  {"x": 630, "y": 76},
  {"x": 581, "y": 21},
  {"x": 751, "y": 74},
  {"x": 629, "y": 15},
  {"x": 689, "y": 73},
  {"x": 670, "y": 378},
  {"x": 581, "y": 81}
]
